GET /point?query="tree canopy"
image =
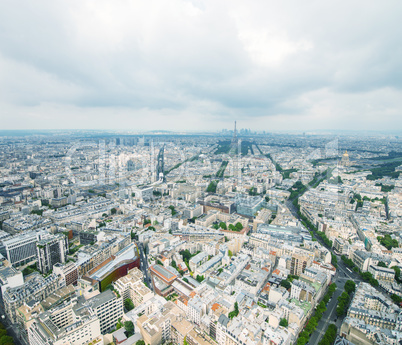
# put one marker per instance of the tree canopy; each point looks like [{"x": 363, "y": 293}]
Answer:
[{"x": 128, "y": 304}]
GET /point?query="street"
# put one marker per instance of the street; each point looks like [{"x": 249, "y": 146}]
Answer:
[
  {"x": 341, "y": 276},
  {"x": 329, "y": 316}
]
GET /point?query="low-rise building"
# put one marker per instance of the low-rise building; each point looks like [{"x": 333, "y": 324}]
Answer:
[{"x": 382, "y": 273}]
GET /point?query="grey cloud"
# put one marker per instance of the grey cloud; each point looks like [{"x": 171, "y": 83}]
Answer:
[{"x": 268, "y": 59}]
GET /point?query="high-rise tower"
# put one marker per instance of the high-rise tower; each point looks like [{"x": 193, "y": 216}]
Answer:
[
  {"x": 51, "y": 251},
  {"x": 234, "y": 140}
]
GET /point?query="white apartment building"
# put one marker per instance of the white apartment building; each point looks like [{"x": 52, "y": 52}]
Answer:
[
  {"x": 9, "y": 278},
  {"x": 195, "y": 310},
  {"x": 66, "y": 324},
  {"x": 382, "y": 273},
  {"x": 131, "y": 286},
  {"x": 197, "y": 260},
  {"x": 108, "y": 307}
]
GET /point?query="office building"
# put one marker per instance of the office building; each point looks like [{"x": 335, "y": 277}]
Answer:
[
  {"x": 20, "y": 249},
  {"x": 51, "y": 251},
  {"x": 114, "y": 267}
]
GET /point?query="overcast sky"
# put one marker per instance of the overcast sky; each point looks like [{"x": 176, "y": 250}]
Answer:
[{"x": 199, "y": 65}]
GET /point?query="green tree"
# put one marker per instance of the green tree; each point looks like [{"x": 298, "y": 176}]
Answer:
[
  {"x": 382, "y": 264},
  {"x": 291, "y": 277},
  {"x": 185, "y": 254},
  {"x": 397, "y": 272},
  {"x": 312, "y": 325},
  {"x": 140, "y": 342},
  {"x": 230, "y": 253},
  {"x": 366, "y": 276},
  {"x": 348, "y": 262},
  {"x": 350, "y": 286},
  {"x": 304, "y": 334},
  {"x": 343, "y": 302},
  {"x": 38, "y": 212},
  {"x": 334, "y": 260},
  {"x": 321, "y": 308},
  {"x": 174, "y": 264},
  {"x": 329, "y": 336},
  {"x": 222, "y": 225},
  {"x": 302, "y": 341},
  {"x": 373, "y": 282},
  {"x": 128, "y": 304},
  {"x": 239, "y": 226},
  {"x": 172, "y": 209},
  {"x": 396, "y": 299},
  {"x": 388, "y": 242},
  {"x": 128, "y": 325},
  {"x": 286, "y": 284},
  {"x": 6, "y": 340},
  {"x": 113, "y": 211},
  {"x": 212, "y": 187},
  {"x": 283, "y": 322},
  {"x": 234, "y": 312}
]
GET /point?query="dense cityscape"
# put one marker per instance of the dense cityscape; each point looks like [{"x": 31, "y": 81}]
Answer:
[
  {"x": 234, "y": 237},
  {"x": 200, "y": 172}
]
